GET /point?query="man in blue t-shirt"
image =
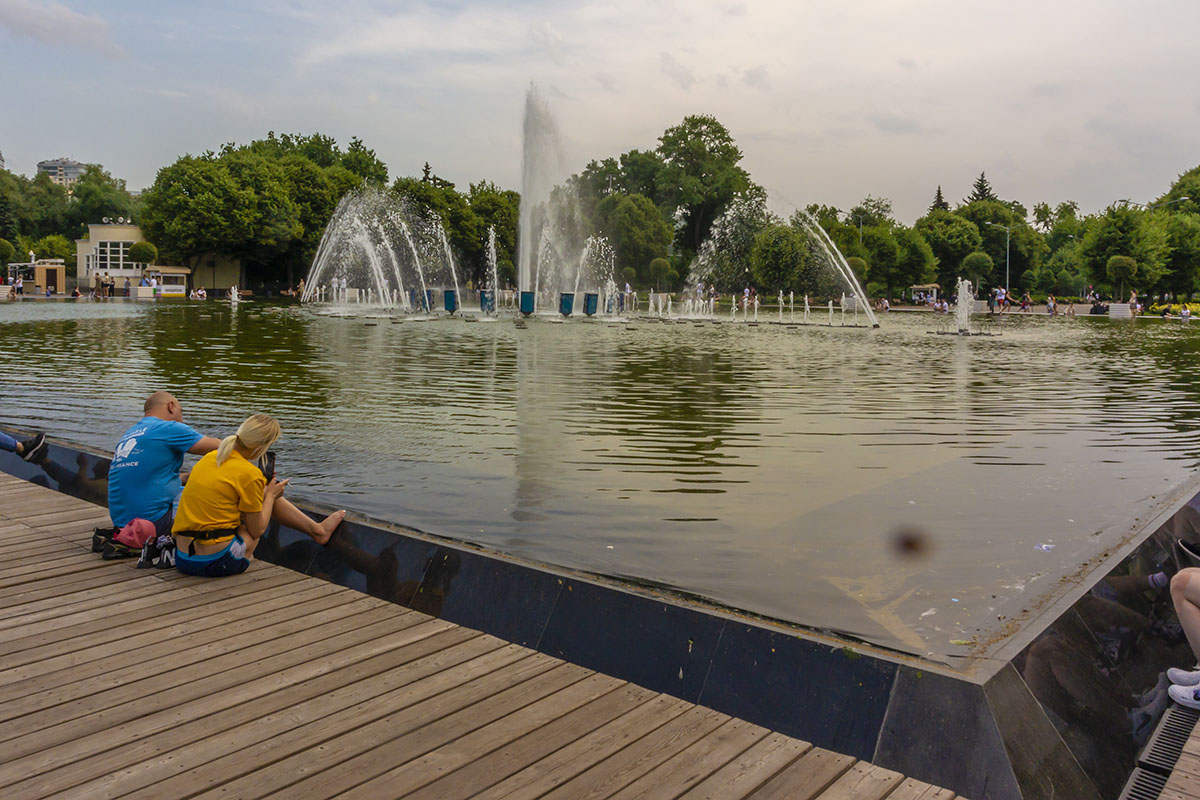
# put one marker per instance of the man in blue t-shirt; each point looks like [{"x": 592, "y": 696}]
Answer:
[{"x": 143, "y": 480}]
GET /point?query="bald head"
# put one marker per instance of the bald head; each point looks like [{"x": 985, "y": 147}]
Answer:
[{"x": 163, "y": 405}]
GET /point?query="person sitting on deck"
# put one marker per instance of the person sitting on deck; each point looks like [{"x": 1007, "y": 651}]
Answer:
[
  {"x": 1185, "y": 594},
  {"x": 144, "y": 478},
  {"x": 29, "y": 449},
  {"x": 229, "y": 501}
]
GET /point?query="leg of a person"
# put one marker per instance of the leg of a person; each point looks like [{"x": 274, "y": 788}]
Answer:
[
  {"x": 8, "y": 443},
  {"x": 287, "y": 514},
  {"x": 1185, "y": 593}
]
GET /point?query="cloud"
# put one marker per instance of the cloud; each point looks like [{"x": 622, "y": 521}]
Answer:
[
  {"x": 544, "y": 34},
  {"x": 56, "y": 25},
  {"x": 681, "y": 76},
  {"x": 756, "y": 78},
  {"x": 889, "y": 123},
  {"x": 906, "y": 63}
]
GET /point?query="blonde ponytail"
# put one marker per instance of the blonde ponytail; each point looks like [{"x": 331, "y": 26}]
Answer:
[
  {"x": 254, "y": 435},
  {"x": 225, "y": 448}
]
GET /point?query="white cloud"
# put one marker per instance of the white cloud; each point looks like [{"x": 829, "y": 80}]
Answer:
[
  {"x": 56, "y": 25},
  {"x": 681, "y": 76}
]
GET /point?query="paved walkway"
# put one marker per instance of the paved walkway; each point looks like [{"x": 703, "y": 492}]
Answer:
[{"x": 118, "y": 682}]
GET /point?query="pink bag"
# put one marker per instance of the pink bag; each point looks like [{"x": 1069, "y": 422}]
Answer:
[{"x": 136, "y": 533}]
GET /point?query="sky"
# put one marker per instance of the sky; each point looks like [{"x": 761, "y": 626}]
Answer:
[{"x": 829, "y": 101}]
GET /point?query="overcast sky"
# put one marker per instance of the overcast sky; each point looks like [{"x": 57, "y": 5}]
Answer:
[{"x": 829, "y": 101}]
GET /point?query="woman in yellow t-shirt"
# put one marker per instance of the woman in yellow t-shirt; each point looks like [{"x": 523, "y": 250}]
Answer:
[{"x": 227, "y": 505}]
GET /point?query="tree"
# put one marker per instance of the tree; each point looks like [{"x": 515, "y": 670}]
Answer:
[
  {"x": 56, "y": 246},
  {"x": 8, "y": 220},
  {"x": 951, "y": 238},
  {"x": 1186, "y": 185},
  {"x": 635, "y": 229},
  {"x": 1121, "y": 270},
  {"x": 1183, "y": 260},
  {"x": 97, "y": 195},
  {"x": 977, "y": 268},
  {"x": 363, "y": 162},
  {"x": 1043, "y": 217},
  {"x": 883, "y": 262},
  {"x": 872, "y": 211},
  {"x": 659, "y": 268},
  {"x": 7, "y": 251},
  {"x": 143, "y": 253},
  {"x": 1021, "y": 250},
  {"x": 859, "y": 267},
  {"x": 777, "y": 258},
  {"x": 700, "y": 175},
  {"x": 939, "y": 202},
  {"x": 915, "y": 261},
  {"x": 1124, "y": 231},
  {"x": 981, "y": 190},
  {"x": 500, "y": 209}
]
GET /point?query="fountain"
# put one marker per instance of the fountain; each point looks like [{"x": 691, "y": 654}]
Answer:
[
  {"x": 378, "y": 250},
  {"x": 965, "y": 298}
]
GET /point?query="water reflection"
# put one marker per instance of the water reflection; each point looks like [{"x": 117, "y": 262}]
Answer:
[{"x": 768, "y": 468}]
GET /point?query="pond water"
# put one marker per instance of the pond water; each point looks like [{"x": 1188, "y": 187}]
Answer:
[{"x": 918, "y": 491}]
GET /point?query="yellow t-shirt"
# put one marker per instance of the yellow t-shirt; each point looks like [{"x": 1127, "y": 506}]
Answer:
[{"x": 215, "y": 497}]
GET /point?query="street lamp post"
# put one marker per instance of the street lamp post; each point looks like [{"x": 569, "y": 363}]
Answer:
[
  {"x": 1007, "y": 236},
  {"x": 857, "y": 217},
  {"x": 1149, "y": 206}
]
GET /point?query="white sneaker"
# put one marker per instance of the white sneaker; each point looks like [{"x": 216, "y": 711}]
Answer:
[
  {"x": 1183, "y": 677},
  {"x": 1186, "y": 696}
]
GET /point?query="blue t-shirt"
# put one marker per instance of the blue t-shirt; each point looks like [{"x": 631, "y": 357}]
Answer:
[{"x": 143, "y": 480}]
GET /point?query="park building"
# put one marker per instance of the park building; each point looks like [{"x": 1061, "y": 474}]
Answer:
[
  {"x": 63, "y": 171},
  {"x": 105, "y": 251}
]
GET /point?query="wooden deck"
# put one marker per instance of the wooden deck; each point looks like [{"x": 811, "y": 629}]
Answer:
[
  {"x": 118, "y": 682},
  {"x": 1184, "y": 783}
]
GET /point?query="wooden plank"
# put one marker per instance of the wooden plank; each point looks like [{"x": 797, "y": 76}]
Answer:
[
  {"x": 134, "y": 652},
  {"x": 863, "y": 781},
  {"x": 538, "y": 778},
  {"x": 913, "y": 789},
  {"x": 695, "y": 763},
  {"x": 189, "y": 670},
  {"x": 577, "y": 709},
  {"x": 48, "y": 643},
  {"x": 44, "y": 749},
  {"x": 54, "y": 588},
  {"x": 419, "y": 704},
  {"x": 58, "y": 571},
  {"x": 750, "y": 770},
  {"x": 384, "y": 749},
  {"x": 624, "y": 767},
  {"x": 181, "y": 760},
  {"x": 133, "y": 611},
  {"x": 806, "y": 777}
]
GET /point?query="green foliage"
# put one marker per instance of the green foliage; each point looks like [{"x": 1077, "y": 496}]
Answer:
[
  {"x": 859, "y": 267},
  {"x": 1183, "y": 259},
  {"x": 951, "y": 238},
  {"x": 97, "y": 195},
  {"x": 1124, "y": 231},
  {"x": 981, "y": 191},
  {"x": 699, "y": 175},
  {"x": 732, "y": 241},
  {"x": 778, "y": 257},
  {"x": 978, "y": 268},
  {"x": 498, "y": 208},
  {"x": 1025, "y": 246},
  {"x": 636, "y": 230},
  {"x": 266, "y": 203},
  {"x": 939, "y": 202},
  {"x": 1186, "y": 185},
  {"x": 630, "y": 275},
  {"x": 56, "y": 246},
  {"x": 659, "y": 268},
  {"x": 883, "y": 258},
  {"x": 916, "y": 261},
  {"x": 7, "y": 251},
  {"x": 871, "y": 212},
  {"x": 1121, "y": 270},
  {"x": 143, "y": 253}
]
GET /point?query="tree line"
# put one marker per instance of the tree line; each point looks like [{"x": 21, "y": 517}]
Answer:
[{"x": 268, "y": 202}]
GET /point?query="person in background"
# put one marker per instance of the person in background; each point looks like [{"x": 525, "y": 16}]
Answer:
[{"x": 229, "y": 502}]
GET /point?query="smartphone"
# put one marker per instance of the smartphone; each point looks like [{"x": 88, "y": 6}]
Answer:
[{"x": 267, "y": 464}]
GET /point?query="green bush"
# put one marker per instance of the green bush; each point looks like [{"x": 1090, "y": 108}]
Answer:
[
  {"x": 143, "y": 253},
  {"x": 7, "y": 251}
]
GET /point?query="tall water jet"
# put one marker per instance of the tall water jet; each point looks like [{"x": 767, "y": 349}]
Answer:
[
  {"x": 542, "y": 168},
  {"x": 964, "y": 300},
  {"x": 837, "y": 261}
]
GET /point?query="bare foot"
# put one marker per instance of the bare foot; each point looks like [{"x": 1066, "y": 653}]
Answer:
[{"x": 327, "y": 526}]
